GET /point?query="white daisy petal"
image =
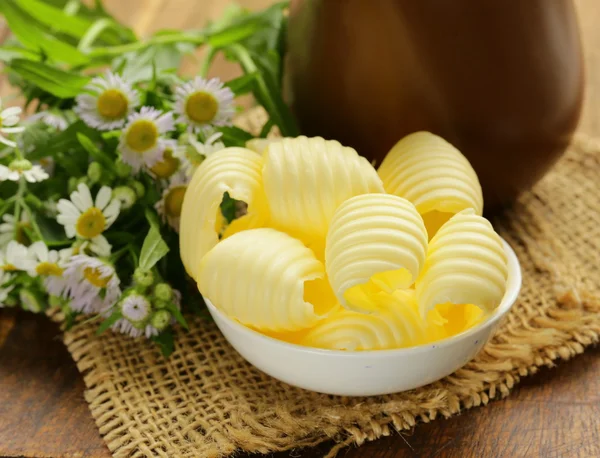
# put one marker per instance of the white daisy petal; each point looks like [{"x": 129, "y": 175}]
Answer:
[
  {"x": 80, "y": 217},
  {"x": 109, "y": 102},
  {"x": 103, "y": 197},
  {"x": 204, "y": 103},
  {"x": 141, "y": 143},
  {"x": 92, "y": 285}
]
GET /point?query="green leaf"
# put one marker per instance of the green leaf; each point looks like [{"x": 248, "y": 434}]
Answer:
[
  {"x": 52, "y": 232},
  {"x": 243, "y": 84},
  {"x": 152, "y": 219},
  {"x": 35, "y": 136},
  {"x": 172, "y": 308},
  {"x": 228, "y": 209},
  {"x": 165, "y": 341},
  {"x": 266, "y": 128},
  {"x": 65, "y": 140},
  {"x": 57, "y": 82},
  {"x": 112, "y": 319},
  {"x": 234, "y": 136},
  {"x": 55, "y": 18},
  {"x": 8, "y": 53},
  {"x": 153, "y": 249},
  {"x": 95, "y": 152},
  {"x": 29, "y": 33}
]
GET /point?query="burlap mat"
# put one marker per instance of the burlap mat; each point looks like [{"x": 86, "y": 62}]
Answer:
[{"x": 206, "y": 401}]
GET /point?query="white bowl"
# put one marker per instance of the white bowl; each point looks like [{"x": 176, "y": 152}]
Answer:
[{"x": 366, "y": 373}]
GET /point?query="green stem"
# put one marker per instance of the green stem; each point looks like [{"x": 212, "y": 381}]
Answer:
[
  {"x": 134, "y": 256},
  {"x": 19, "y": 198},
  {"x": 18, "y": 153},
  {"x": 7, "y": 205},
  {"x": 34, "y": 223},
  {"x": 117, "y": 254},
  {"x": 265, "y": 94},
  {"x": 110, "y": 51},
  {"x": 210, "y": 55}
]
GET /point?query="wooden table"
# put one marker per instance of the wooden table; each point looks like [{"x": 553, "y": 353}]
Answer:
[{"x": 555, "y": 413}]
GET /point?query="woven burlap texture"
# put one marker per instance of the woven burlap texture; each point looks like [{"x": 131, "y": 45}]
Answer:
[{"x": 206, "y": 401}]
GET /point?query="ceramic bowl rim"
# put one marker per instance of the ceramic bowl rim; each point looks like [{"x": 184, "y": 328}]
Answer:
[{"x": 513, "y": 288}]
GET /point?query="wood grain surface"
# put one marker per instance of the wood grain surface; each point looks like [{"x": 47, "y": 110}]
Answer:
[{"x": 555, "y": 413}]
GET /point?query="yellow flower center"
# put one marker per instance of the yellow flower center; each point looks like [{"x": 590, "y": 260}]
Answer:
[
  {"x": 142, "y": 135},
  {"x": 167, "y": 167},
  {"x": 9, "y": 267},
  {"x": 174, "y": 201},
  {"x": 112, "y": 104},
  {"x": 94, "y": 276},
  {"x": 49, "y": 268},
  {"x": 201, "y": 107},
  {"x": 91, "y": 223}
]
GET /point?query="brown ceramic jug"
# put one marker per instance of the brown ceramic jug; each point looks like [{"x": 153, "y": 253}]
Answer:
[{"x": 500, "y": 79}]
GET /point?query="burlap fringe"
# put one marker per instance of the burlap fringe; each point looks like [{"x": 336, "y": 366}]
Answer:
[{"x": 206, "y": 401}]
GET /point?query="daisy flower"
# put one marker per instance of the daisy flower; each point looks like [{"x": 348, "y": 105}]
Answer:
[
  {"x": 5, "y": 277},
  {"x": 141, "y": 142},
  {"x": 50, "y": 119},
  {"x": 91, "y": 284},
  {"x": 192, "y": 155},
  {"x": 139, "y": 319},
  {"x": 169, "y": 164},
  {"x": 86, "y": 219},
  {"x": 16, "y": 257},
  {"x": 22, "y": 168},
  {"x": 98, "y": 246},
  {"x": 9, "y": 118},
  {"x": 11, "y": 230},
  {"x": 108, "y": 102},
  {"x": 203, "y": 103},
  {"x": 169, "y": 206},
  {"x": 50, "y": 264}
]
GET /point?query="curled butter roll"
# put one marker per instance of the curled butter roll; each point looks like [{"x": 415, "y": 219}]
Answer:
[
  {"x": 266, "y": 279},
  {"x": 465, "y": 264},
  {"x": 237, "y": 171},
  {"x": 306, "y": 179},
  {"x": 395, "y": 324},
  {"x": 435, "y": 176},
  {"x": 374, "y": 242}
]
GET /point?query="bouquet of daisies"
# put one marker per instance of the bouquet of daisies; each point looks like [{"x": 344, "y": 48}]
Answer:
[{"x": 92, "y": 181}]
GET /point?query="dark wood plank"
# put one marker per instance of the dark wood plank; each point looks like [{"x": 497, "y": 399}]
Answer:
[
  {"x": 42, "y": 410},
  {"x": 555, "y": 413}
]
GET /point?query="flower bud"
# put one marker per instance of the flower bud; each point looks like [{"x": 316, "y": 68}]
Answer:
[
  {"x": 20, "y": 165},
  {"x": 143, "y": 278},
  {"x": 161, "y": 319},
  {"x": 123, "y": 170},
  {"x": 31, "y": 301},
  {"x": 136, "y": 309},
  {"x": 163, "y": 291},
  {"x": 94, "y": 172},
  {"x": 139, "y": 188},
  {"x": 55, "y": 301},
  {"x": 125, "y": 195},
  {"x": 161, "y": 304}
]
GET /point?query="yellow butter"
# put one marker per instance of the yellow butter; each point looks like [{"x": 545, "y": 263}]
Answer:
[
  {"x": 266, "y": 279},
  {"x": 395, "y": 324},
  {"x": 434, "y": 176},
  {"x": 306, "y": 179},
  {"x": 237, "y": 171},
  {"x": 465, "y": 264},
  {"x": 375, "y": 242}
]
